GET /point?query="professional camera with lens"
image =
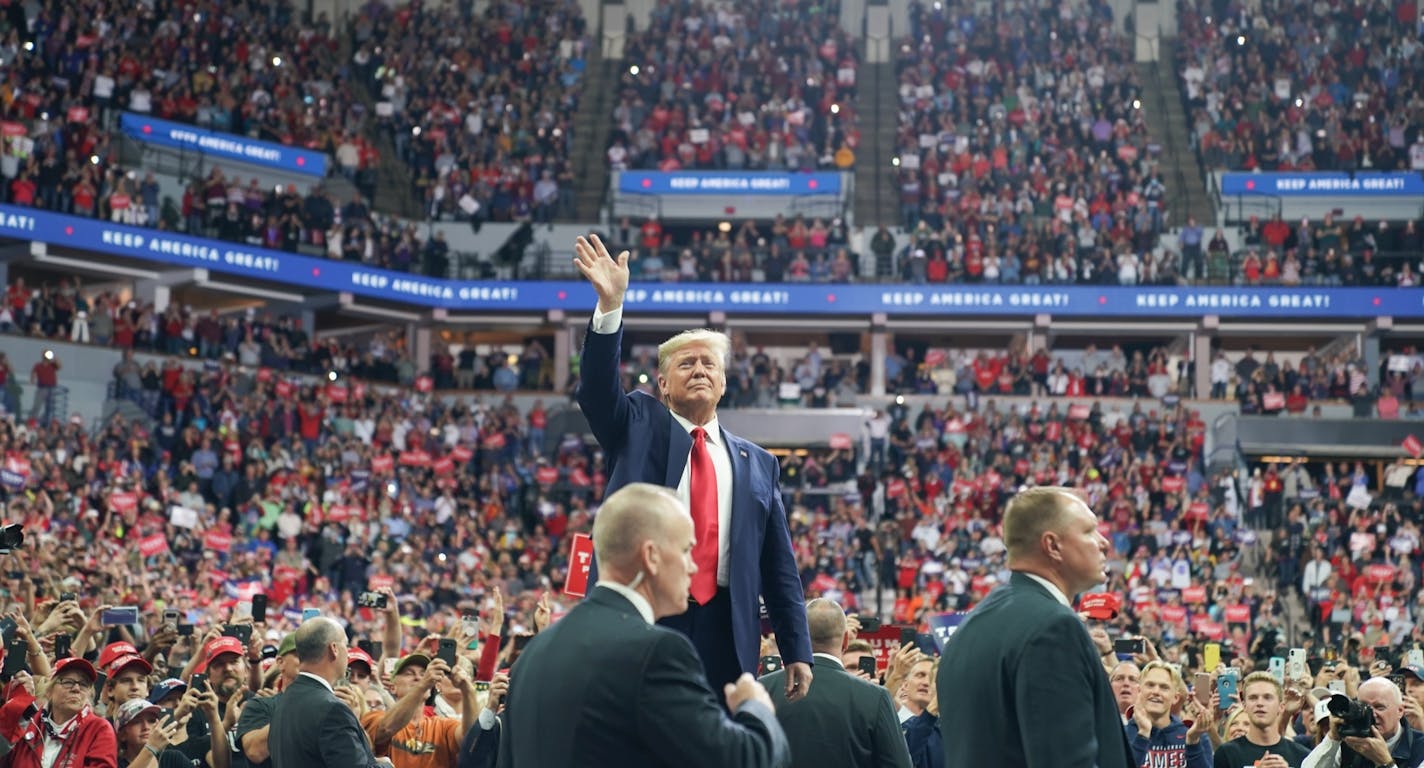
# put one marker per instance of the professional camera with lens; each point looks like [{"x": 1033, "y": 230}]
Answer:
[
  {"x": 1356, "y": 717},
  {"x": 11, "y": 537}
]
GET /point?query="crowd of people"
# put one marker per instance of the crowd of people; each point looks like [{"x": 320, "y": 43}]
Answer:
[
  {"x": 1293, "y": 85},
  {"x": 480, "y": 107},
  {"x": 755, "y": 86}
]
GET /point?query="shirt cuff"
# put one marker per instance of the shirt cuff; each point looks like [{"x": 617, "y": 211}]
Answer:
[
  {"x": 609, "y": 322},
  {"x": 486, "y": 719}
]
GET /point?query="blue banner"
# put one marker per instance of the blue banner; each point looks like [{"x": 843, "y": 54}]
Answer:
[
  {"x": 726, "y": 183},
  {"x": 1324, "y": 184},
  {"x": 943, "y": 625},
  {"x": 151, "y": 130},
  {"x": 326, "y": 275}
]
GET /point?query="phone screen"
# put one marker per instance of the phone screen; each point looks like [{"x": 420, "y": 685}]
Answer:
[
  {"x": 1201, "y": 688},
  {"x": 259, "y": 609},
  {"x": 867, "y": 665},
  {"x": 447, "y": 651}
]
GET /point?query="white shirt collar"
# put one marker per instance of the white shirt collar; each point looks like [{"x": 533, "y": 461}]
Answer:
[
  {"x": 714, "y": 431},
  {"x": 641, "y": 603},
  {"x": 321, "y": 680},
  {"x": 1051, "y": 587},
  {"x": 828, "y": 657}
]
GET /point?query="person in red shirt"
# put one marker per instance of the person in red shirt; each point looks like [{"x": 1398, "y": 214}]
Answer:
[
  {"x": 84, "y": 739},
  {"x": 45, "y": 377}
]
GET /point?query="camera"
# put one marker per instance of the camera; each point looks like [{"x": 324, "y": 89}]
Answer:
[
  {"x": 1356, "y": 717},
  {"x": 11, "y": 537},
  {"x": 371, "y": 600}
]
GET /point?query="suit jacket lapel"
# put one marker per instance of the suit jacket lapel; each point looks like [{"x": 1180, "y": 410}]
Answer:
[
  {"x": 741, "y": 488},
  {"x": 679, "y": 446}
]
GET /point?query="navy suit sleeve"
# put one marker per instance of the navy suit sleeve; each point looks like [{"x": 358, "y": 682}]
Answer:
[
  {"x": 780, "y": 581},
  {"x": 1053, "y": 695},
  {"x": 342, "y": 741},
  {"x": 600, "y": 393},
  {"x": 679, "y": 715}
]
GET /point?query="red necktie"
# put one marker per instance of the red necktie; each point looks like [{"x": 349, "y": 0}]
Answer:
[{"x": 702, "y": 497}]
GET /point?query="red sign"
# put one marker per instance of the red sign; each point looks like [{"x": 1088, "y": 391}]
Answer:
[
  {"x": 123, "y": 501},
  {"x": 1273, "y": 401},
  {"x": 1078, "y": 411},
  {"x": 1198, "y": 510},
  {"x": 358, "y": 391},
  {"x": 264, "y": 375},
  {"x": 382, "y": 464},
  {"x": 424, "y": 384},
  {"x": 1211, "y": 629},
  {"x": 336, "y": 393},
  {"x": 216, "y": 541},
  {"x": 1173, "y": 483},
  {"x": 1238, "y": 614},
  {"x": 149, "y": 546},
  {"x": 935, "y": 357},
  {"x": 380, "y": 582},
  {"x": 547, "y": 475},
  {"x": 1052, "y": 431},
  {"x": 1174, "y": 614},
  {"x": 78, "y": 114},
  {"x": 286, "y": 573},
  {"x": 840, "y": 441},
  {"x": 1412, "y": 446},
  {"x": 579, "y": 477},
  {"x": 580, "y": 561},
  {"x": 284, "y": 389},
  {"x": 443, "y": 465},
  {"x": 338, "y": 513},
  {"x": 416, "y": 458},
  {"x": 8, "y": 128},
  {"x": 493, "y": 441},
  {"x": 461, "y": 454},
  {"x": 1194, "y": 595},
  {"x": 895, "y": 488},
  {"x": 1379, "y": 572}
]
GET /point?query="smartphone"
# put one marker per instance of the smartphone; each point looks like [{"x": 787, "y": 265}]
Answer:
[
  {"x": 1277, "y": 669},
  {"x": 1226, "y": 687},
  {"x": 867, "y": 665},
  {"x": 481, "y": 686},
  {"x": 907, "y": 635},
  {"x": 1382, "y": 654},
  {"x": 242, "y": 610},
  {"x": 1415, "y": 658},
  {"x": 259, "y": 609},
  {"x": 15, "y": 661},
  {"x": 1211, "y": 657},
  {"x": 62, "y": 643},
  {"x": 242, "y": 632},
  {"x": 371, "y": 600},
  {"x": 99, "y": 685},
  {"x": 1295, "y": 664},
  {"x": 1201, "y": 688},
  {"x": 16, "y": 575},
  {"x": 1129, "y": 646},
  {"x": 310, "y": 613},
  {"x": 520, "y": 641},
  {"x": 199, "y": 682},
  {"x": 125, "y": 615},
  {"x": 869, "y": 623},
  {"x": 770, "y": 664},
  {"x": 67, "y": 597},
  {"x": 185, "y": 630},
  {"x": 1336, "y": 686},
  {"x": 447, "y": 651},
  {"x": 926, "y": 643},
  {"x": 172, "y": 617},
  {"x": 469, "y": 623},
  {"x": 7, "y": 628}
]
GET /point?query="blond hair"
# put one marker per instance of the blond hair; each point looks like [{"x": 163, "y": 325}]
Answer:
[
  {"x": 1263, "y": 677},
  {"x": 1171, "y": 670},
  {"x": 716, "y": 341}
]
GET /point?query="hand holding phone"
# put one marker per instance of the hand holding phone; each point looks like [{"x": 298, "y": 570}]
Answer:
[
  {"x": 446, "y": 652},
  {"x": 867, "y": 665},
  {"x": 259, "y": 609},
  {"x": 122, "y": 616}
]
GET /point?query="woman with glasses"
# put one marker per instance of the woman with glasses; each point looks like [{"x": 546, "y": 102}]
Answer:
[{"x": 66, "y": 733}]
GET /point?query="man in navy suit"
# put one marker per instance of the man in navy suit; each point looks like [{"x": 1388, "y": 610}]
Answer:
[{"x": 730, "y": 484}]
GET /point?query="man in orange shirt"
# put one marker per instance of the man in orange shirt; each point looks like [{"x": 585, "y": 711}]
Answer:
[{"x": 409, "y": 733}]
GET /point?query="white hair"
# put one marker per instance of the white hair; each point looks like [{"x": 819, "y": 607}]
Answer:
[{"x": 717, "y": 341}]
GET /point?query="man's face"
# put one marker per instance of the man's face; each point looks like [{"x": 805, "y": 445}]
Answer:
[
  {"x": 137, "y": 731},
  {"x": 919, "y": 686},
  {"x": 227, "y": 673},
  {"x": 1125, "y": 682},
  {"x": 359, "y": 673},
  {"x": 128, "y": 684},
  {"x": 291, "y": 666},
  {"x": 1414, "y": 687},
  {"x": 693, "y": 379},
  {"x": 406, "y": 679},
  {"x": 1384, "y": 699},
  {"x": 1263, "y": 705},
  {"x": 675, "y": 568},
  {"x": 851, "y": 659},
  {"x": 1082, "y": 548},
  {"x": 1156, "y": 693}
]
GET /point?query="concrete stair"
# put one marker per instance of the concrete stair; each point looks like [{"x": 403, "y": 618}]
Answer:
[
  {"x": 877, "y": 191},
  {"x": 592, "y": 125},
  {"x": 1162, "y": 98}
]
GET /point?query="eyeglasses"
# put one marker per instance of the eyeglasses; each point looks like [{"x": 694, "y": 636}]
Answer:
[{"x": 72, "y": 683}]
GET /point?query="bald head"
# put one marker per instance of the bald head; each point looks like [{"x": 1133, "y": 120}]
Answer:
[
  {"x": 637, "y": 513},
  {"x": 315, "y": 635},
  {"x": 827, "y": 623}
]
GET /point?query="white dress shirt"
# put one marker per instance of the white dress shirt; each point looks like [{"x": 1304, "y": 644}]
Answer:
[
  {"x": 645, "y": 609},
  {"x": 721, "y": 462}
]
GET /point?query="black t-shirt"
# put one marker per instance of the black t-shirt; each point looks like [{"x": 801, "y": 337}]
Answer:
[
  {"x": 1241, "y": 753},
  {"x": 256, "y": 714}
]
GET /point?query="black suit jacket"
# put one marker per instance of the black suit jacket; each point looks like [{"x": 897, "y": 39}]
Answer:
[
  {"x": 311, "y": 728},
  {"x": 842, "y": 721},
  {"x": 643, "y": 443},
  {"x": 602, "y": 688},
  {"x": 1021, "y": 684}
]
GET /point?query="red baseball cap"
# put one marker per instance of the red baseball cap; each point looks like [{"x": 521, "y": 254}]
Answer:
[
  {"x": 1102, "y": 606},
  {"x": 113, "y": 651},
  {"x": 218, "y": 647},
  {"x": 130, "y": 660},
  {"x": 354, "y": 655},
  {"x": 76, "y": 663}
]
